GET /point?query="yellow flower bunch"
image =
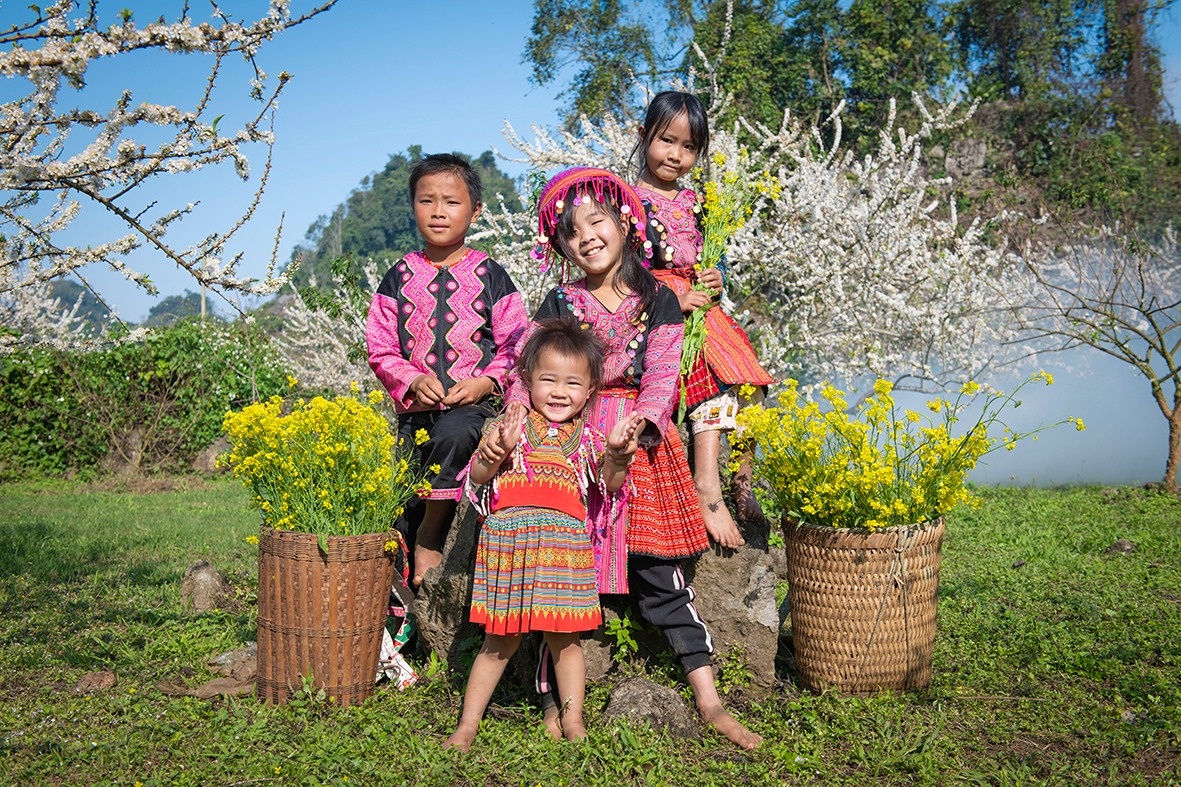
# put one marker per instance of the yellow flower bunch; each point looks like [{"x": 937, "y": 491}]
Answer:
[
  {"x": 726, "y": 201},
  {"x": 324, "y": 466},
  {"x": 876, "y": 465}
]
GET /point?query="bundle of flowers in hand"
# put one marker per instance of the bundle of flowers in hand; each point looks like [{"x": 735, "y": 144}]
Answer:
[
  {"x": 330, "y": 467},
  {"x": 863, "y": 492},
  {"x": 726, "y": 201}
]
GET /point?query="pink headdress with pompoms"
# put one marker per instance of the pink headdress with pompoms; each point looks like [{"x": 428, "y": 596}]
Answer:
[{"x": 587, "y": 183}]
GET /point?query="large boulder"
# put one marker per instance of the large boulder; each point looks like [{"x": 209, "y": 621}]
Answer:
[
  {"x": 639, "y": 701},
  {"x": 736, "y": 599},
  {"x": 442, "y": 603}
]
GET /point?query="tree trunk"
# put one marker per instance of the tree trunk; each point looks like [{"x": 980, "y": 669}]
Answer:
[{"x": 1174, "y": 461}]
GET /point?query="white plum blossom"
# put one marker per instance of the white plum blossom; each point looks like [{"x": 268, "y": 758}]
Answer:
[
  {"x": 850, "y": 267},
  {"x": 55, "y": 158}
]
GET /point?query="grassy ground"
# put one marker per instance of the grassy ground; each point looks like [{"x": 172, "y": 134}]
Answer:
[{"x": 1057, "y": 662}]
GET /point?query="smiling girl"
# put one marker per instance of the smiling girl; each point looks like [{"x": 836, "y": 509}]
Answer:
[
  {"x": 593, "y": 221},
  {"x": 535, "y": 567}
]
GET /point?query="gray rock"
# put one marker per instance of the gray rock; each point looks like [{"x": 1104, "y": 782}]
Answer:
[
  {"x": 442, "y": 604},
  {"x": 1122, "y": 547},
  {"x": 639, "y": 700},
  {"x": 240, "y": 664},
  {"x": 736, "y": 599},
  {"x": 203, "y": 588},
  {"x": 966, "y": 158},
  {"x": 206, "y": 461}
]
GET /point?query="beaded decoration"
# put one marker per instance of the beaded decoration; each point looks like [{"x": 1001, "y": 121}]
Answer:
[{"x": 587, "y": 183}]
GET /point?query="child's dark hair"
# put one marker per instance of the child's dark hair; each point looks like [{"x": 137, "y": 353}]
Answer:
[
  {"x": 437, "y": 163},
  {"x": 661, "y": 111},
  {"x": 631, "y": 271},
  {"x": 569, "y": 338}
]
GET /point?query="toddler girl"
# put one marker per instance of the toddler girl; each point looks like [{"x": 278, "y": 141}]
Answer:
[{"x": 535, "y": 568}]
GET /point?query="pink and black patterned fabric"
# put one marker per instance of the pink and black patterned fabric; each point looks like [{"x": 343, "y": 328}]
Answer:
[
  {"x": 455, "y": 322},
  {"x": 727, "y": 358}
]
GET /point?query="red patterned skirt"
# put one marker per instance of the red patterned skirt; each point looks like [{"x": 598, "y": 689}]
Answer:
[
  {"x": 727, "y": 359},
  {"x": 664, "y": 515}
]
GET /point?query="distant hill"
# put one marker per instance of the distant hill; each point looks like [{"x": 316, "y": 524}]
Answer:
[{"x": 377, "y": 220}]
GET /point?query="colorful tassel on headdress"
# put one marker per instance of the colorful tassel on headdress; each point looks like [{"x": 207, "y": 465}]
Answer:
[{"x": 593, "y": 182}]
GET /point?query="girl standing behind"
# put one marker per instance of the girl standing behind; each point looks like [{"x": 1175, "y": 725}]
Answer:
[
  {"x": 535, "y": 567},
  {"x": 674, "y": 135},
  {"x": 593, "y": 220}
]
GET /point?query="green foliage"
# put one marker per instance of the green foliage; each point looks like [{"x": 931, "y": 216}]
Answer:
[
  {"x": 1072, "y": 91},
  {"x": 377, "y": 219},
  {"x": 757, "y": 65},
  {"x": 622, "y": 631},
  {"x": 151, "y": 405},
  {"x": 594, "y": 35},
  {"x": 1056, "y": 662}
]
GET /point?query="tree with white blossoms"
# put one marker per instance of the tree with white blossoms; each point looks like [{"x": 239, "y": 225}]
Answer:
[
  {"x": 56, "y": 159},
  {"x": 862, "y": 266},
  {"x": 1121, "y": 296},
  {"x": 322, "y": 335}
]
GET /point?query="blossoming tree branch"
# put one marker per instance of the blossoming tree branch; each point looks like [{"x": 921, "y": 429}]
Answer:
[{"x": 55, "y": 158}]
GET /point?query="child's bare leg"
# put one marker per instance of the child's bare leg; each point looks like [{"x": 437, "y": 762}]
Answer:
[
  {"x": 486, "y": 673},
  {"x": 742, "y": 486},
  {"x": 707, "y": 446},
  {"x": 709, "y": 707},
  {"x": 432, "y": 533},
  {"x": 570, "y": 671}
]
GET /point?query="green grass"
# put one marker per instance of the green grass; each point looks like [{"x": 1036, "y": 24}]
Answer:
[{"x": 1056, "y": 663}]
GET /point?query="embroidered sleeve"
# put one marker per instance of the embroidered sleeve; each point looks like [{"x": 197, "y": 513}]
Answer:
[
  {"x": 386, "y": 357},
  {"x": 662, "y": 362},
  {"x": 509, "y": 319}
]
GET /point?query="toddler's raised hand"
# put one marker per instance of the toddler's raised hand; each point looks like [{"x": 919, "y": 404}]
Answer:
[
  {"x": 500, "y": 441},
  {"x": 624, "y": 439}
]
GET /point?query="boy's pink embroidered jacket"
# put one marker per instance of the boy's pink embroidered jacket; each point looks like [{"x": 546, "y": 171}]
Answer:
[{"x": 455, "y": 322}]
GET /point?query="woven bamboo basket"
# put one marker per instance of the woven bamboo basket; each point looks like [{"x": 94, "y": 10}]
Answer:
[
  {"x": 321, "y": 615},
  {"x": 863, "y": 605}
]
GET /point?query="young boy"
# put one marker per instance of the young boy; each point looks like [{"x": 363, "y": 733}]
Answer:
[{"x": 442, "y": 330}]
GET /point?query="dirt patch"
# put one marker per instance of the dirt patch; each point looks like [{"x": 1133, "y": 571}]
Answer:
[{"x": 1156, "y": 762}]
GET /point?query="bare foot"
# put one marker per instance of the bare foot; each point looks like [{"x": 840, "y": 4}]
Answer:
[
  {"x": 425, "y": 559},
  {"x": 729, "y": 726},
  {"x": 720, "y": 525},
  {"x": 549, "y": 717},
  {"x": 573, "y": 729},
  {"x": 461, "y": 739}
]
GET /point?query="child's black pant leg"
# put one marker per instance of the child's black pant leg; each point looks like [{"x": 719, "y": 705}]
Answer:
[{"x": 665, "y": 600}]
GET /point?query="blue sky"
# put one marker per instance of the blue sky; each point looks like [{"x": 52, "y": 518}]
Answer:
[{"x": 373, "y": 77}]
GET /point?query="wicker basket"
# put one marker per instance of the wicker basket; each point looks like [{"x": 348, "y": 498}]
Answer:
[
  {"x": 863, "y": 605},
  {"x": 321, "y": 615}
]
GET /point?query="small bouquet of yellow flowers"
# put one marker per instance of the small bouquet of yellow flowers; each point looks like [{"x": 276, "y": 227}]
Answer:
[
  {"x": 324, "y": 466},
  {"x": 727, "y": 200},
  {"x": 876, "y": 466}
]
